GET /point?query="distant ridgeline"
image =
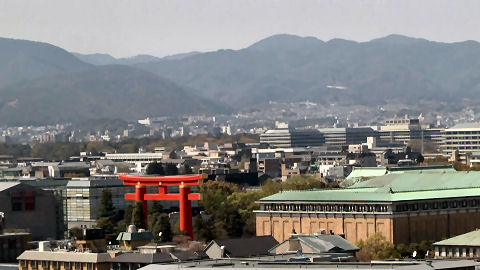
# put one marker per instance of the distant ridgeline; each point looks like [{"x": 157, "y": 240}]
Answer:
[{"x": 42, "y": 83}]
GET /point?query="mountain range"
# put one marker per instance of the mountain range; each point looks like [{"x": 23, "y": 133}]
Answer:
[
  {"x": 100, "y": 59},
  {"x": 291, "y": 68},
  {"x": 42, "y": 83}
]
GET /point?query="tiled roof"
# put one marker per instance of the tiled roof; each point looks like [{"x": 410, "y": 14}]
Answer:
[
  {"x": 328, "y": 243},
  {"x": 415, "y": 185},
  {"x": 246, "y": 247},
  {"x": 324, "y": 243},
  {"x": 359, "y": 174},
  {"x": 471, "y": 239}
]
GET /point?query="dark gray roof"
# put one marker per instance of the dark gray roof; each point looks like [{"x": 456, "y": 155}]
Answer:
[
  {"x": 325, "y": 243},
  {"x": 183, "y": 255},
  {"x": 142, "y": 258},
  {"x": 246, "y": 247}
]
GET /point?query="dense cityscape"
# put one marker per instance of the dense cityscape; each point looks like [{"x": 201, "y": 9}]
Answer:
[{"x": 237, "y": 140}]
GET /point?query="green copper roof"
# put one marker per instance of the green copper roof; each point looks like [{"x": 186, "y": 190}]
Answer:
[
  {"x": 367, "y": 172},
  {"x": 467, "y": 239},
  {"x": 414, "y": 185},
  {"x": 360, "y": 174}
]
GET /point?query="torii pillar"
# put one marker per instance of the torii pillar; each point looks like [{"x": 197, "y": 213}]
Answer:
[{"x": 183, "y": 196}]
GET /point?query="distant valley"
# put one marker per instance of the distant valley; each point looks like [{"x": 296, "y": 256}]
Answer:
[{"x": 42, "y": 83}]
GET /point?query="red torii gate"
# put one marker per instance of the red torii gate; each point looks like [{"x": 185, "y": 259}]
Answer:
[{"x": 184, "y": 196}]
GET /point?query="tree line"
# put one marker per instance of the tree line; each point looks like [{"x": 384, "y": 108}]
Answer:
[{"x": 376, "y": 247}]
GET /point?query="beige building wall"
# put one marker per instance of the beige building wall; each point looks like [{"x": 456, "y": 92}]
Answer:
[
  {"x": 354, "y": 227},
  {"x": 56, "y": 265},
  {"x": 397, "y": 228}
]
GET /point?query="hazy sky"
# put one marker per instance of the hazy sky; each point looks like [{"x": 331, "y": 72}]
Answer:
[{"x": 125, "y": 28}]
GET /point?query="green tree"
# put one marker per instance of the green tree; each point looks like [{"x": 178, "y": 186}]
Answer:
[
  {"x": 155, "y": 168},
  {"x": 376, "y": 247},
  {"x": 171, "y": 169},
  {"x": 138, "y": 216},
  {"x": 163, "y": 225},
  {"x": 302, "y": 182},
  {"x": 172, "y": 155},
  {"x": 127, "y": 219},
  {"x": 214, "y": 193},
  {"x": 75, "y": 233},
  {"x": 420, "y": 158},
  {"x": 106, "y": 213},
  {"x": 155, "y": 208},
  {"x": 187, "y": 169},
  {"x": 203, "y": 231},
  {"x": 243, "y": 203}
]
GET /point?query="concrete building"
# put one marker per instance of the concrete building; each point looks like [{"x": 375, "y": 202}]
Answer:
[
  {"x": 400, "y": 130},
  {"x": 464, "y": 138},
  {"x": 63, "y": 260},
  {"x": 347, "y": 136},
  {"x": 289, "y": 137},
  {"x": 30, "y": 209},
  {"x": 69, "y": 169},
  {"x": 405, "y": 208},
  {"x": 83, "y": 198},
  {"x": 140, "y": 160},
  {"x": 403, "y": 130},
  {"x": 464, "y": 246}
]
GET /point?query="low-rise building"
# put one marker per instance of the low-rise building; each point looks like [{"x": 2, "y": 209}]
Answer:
[
  {"x": 318, "y": 244},
  {"x": 139, "y": 160},
  {"x": 405, "y": 208},
  {"x": 289, "y": 137},
  {"x": 461, "y": 246},
  {"x": 82, "y": 198},
  {"x": 30, "y": 209},
  {"x": 12, "y": 245},
  {"x": 464, "y": 138},
  {"x": 240, "y": 247}
]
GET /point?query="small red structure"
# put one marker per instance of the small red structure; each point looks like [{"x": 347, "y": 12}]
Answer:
[{"x": 184, "y": 196}]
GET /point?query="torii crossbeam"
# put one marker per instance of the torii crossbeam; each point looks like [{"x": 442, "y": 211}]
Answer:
[{"x": 184, "y": 196}]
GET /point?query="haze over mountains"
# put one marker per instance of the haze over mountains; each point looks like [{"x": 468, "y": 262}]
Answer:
[
  {"x": 290, "y": 68},
  {"x": 41, "y": 83},
  {"x": 100, "y": 59}
]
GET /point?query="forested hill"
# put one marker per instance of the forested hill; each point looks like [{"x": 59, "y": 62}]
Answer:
[{"x": 291, "y": 68}]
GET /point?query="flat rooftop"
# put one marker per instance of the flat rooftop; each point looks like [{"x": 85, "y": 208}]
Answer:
[{"x": 256, "y": 264}]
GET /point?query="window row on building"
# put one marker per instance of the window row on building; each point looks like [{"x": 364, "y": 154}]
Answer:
[
  {"x": 462, "y": 132},
  {"x": 55, "y": 265},
  {"x": 457, "y": 252},
  {"x": 437, "y": 205},
  {"x": 325, "y": 207}
]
